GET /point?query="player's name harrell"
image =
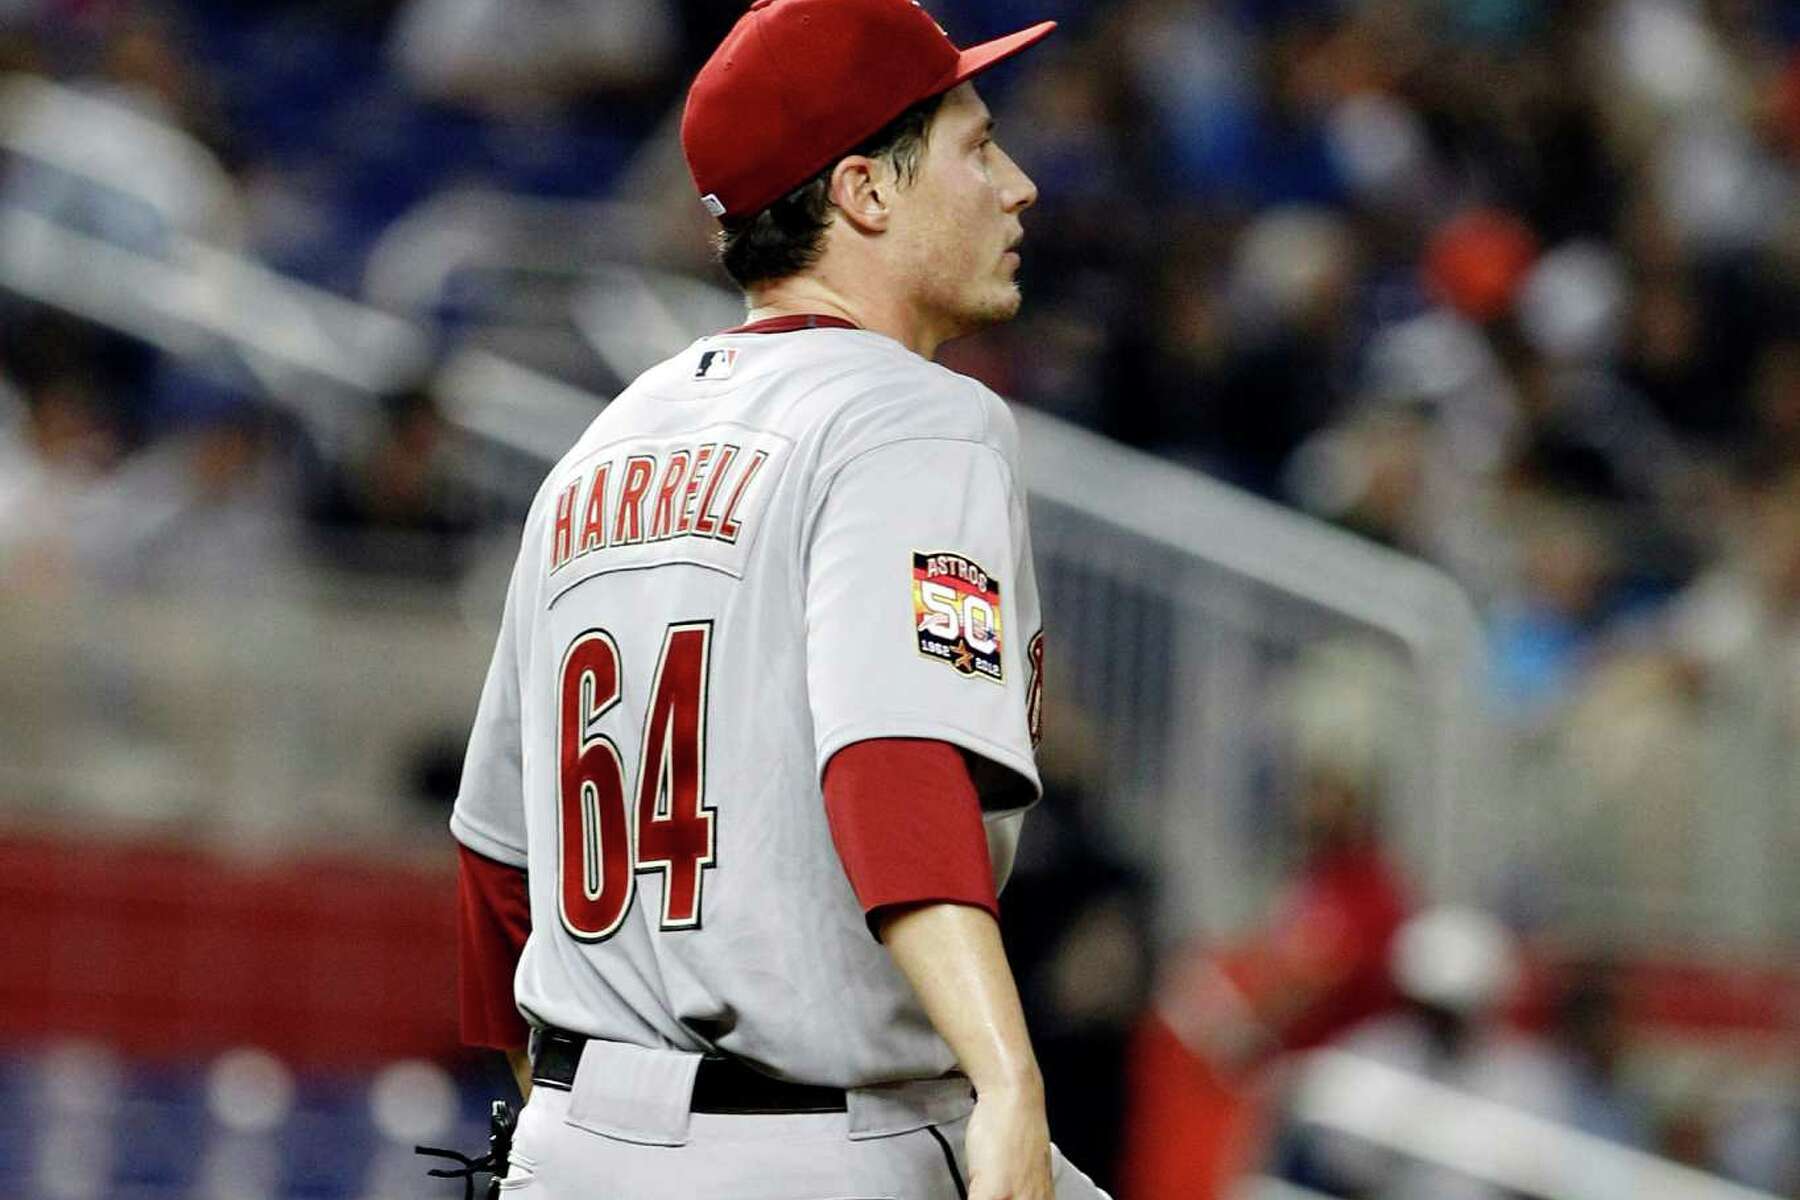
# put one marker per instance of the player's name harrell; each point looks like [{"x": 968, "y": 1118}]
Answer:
[{"x": 684, "y": 492}]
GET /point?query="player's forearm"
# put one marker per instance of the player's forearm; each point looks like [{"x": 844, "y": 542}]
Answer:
[
  {"x": 952, "y": 955},
  {"x": 520, "y": 1062}
]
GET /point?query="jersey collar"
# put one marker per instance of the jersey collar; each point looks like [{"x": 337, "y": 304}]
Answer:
[{"x": 793, "y": 322}]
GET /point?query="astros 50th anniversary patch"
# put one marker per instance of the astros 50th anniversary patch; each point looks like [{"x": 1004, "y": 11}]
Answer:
[{"x": 956, "y": 613}]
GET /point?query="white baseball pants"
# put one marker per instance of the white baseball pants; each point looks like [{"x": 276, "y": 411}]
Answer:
[{"x": 623, "y": 1132}]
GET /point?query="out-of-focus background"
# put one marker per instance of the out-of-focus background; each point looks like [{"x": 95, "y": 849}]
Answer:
[{"x": 1411, "y": 401}]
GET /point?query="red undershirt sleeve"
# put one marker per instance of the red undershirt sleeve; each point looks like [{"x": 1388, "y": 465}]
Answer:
[
  {"x": 493, "y": 921},
  {"x": 906, "y": 819}
]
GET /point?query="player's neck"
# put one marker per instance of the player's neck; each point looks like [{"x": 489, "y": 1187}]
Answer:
[{"x": 803, "y": 295}]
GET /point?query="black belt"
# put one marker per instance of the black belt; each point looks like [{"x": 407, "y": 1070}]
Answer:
[{"x": 722, "y": 1085}]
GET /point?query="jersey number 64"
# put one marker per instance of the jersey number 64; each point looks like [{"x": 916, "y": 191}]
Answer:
[{"x": 605, "y": 838}]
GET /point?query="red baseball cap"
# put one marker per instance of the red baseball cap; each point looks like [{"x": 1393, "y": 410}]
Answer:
[{"x": 798, "y": 83}]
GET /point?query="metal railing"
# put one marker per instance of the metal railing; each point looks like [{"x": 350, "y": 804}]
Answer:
[
  {"x": 1513, "y": 1150},
  {"x": 103, "y": 142},
  {"x": 1197, "y": 626}
]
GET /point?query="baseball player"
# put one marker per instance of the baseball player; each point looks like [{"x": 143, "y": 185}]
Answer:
[{"x": 751, "y": 759}]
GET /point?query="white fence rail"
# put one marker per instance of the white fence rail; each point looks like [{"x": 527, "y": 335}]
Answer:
[
  {"x": 1429, "y": 1122},
  {"x": 1275, "y": 1189}
]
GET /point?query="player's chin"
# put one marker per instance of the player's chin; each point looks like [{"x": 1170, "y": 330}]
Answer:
[
  {"x": 994, "y": 306},
  {"x": 1003, "y": 303}
]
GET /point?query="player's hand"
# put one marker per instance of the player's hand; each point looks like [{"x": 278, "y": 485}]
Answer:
[{"x": 1008, "y": 1146}]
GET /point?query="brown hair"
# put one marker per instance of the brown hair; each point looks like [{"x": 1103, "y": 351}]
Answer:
[{"x": 788, "y": 236}]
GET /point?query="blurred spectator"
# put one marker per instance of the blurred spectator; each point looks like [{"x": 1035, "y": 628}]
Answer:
[
  {"x": 61, "y": 439},
  {"x": 1167, "y": 368},
  {"x": 51, "y": 456},
  {"x": 1739, "y": 623},
  {"x": 1544, "y": 637},
  {"x": 144, "y": 65},
  {"x": 1368, "y": 475},
  {"x": 1195, "y": 68},
  {"x": 1075, "y": 927},
  {"x": 1477, "y": 261},
  {"x": 209, "y": 510},
  {"x": 1587, "y": 436},
  {"x": 1290, "y": 364},
  {"x": 128, "y": 152},
  {"x": 1415, "y": 463},
  {"x": 1589, "y": 1034},
  {"x": 1670, "y": 361},
  {"x": 1456, "y": 968},
  {"x": 1315, "y": 969},
  {"x": 402, "y": 508},
  {"x": 523, "y": 54},
  {"x": 1628, "y": 800},
  {"x": 1234, "y": 382},
  {"x": 1775, "y": 401}
]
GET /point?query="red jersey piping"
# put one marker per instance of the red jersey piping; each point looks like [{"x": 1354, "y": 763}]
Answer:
[{"x": 791, "y": 323}]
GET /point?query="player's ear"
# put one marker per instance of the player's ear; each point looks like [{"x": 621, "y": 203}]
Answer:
[{"x": 862, "y": 190}]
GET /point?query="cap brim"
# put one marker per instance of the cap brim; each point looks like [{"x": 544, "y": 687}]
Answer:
[{"x": 976, "y": 59}]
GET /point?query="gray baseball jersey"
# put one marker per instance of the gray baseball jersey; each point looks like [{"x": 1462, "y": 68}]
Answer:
[{"x": 769, "y": 547}]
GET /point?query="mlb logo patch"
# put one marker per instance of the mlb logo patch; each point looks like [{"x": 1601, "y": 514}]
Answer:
[
  {"x": 716, "y": 364},
  {"x": 956, "y": 614}
]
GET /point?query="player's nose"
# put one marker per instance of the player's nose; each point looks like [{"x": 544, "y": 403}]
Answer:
[{"x": 1017, "y": 190}]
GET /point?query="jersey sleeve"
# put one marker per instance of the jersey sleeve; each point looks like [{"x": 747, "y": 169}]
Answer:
[
  {"x": 489, "y": 816},
  {"x": 906, "y": 819},
  {"x": 913, "y": 580},
  {"x": 493, "y": 921}
]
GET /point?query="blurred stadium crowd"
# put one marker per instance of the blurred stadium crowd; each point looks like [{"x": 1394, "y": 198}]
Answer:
[{"x": 1512, "y": 286}]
